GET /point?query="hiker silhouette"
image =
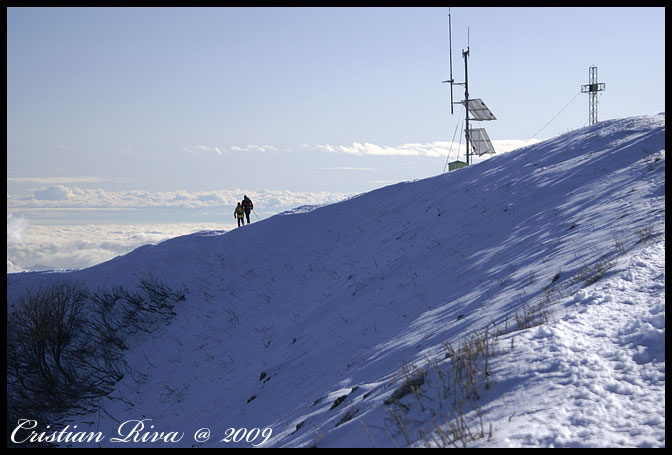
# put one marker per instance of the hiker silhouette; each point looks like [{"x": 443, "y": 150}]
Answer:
[{"x": 248, "y": 206}]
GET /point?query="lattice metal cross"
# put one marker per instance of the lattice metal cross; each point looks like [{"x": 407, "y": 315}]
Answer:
[{"x": 592, "y": 88}]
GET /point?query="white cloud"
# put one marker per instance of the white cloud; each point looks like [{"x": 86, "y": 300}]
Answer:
[
  {"x": 357, "y": 148},
  {"x": 220, "y": 151},
  {"x": 201, "y": 150},
  {"x": 430, "y": 149},
  {"x": 72, "y": 247},
  {"x": 16, "y": 226},
  {"x": 85, "y": 243},
  {"x": 53, "y": 193},
  {"x": 62, "y": 197}
]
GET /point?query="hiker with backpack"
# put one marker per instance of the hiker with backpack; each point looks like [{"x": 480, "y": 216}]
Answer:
[
  {"x": 248, "y": 206},
  {"x": 239, "y": 213}
]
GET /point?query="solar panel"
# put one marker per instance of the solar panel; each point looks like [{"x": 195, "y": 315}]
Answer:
[
  {"x": 481, "y": 142},
  {"x": 590, "y": 88},
  {"x": 479, "y": 110}
]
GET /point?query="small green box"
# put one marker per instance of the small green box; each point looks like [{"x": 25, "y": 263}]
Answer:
[{"x": 456, "y": 165}]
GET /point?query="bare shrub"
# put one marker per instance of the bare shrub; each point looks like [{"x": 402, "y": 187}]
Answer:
[
  {"x": 65, "y": 345},
  {"x": 55, "y": 362}
]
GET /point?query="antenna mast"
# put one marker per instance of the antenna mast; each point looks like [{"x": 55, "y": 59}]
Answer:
[
  {"x": 477, "y": 138},
  {"x": 465, "y": 56},
  {"x": 450, "y": 44}
]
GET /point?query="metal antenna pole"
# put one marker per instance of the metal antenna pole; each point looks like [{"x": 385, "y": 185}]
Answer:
[
  {"x": 477, "y": 141},
  {"x": 451, "y": 80},
  {"x": 450, "y": 43},
  {"x": 465, "y": 54}
]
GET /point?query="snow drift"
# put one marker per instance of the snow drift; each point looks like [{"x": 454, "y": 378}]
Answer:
[{"x": 346, "y": 325}]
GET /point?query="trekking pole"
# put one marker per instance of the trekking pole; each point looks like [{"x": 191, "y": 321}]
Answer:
[{"x": 255, "y": 214}]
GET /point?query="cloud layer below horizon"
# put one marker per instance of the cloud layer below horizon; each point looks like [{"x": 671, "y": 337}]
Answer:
[
  {"x": 72, "y": 197},
  {"x": 60, "y": 227},
  {"x": 79, "y": 221},
  {"x": 40, "y": 247}
]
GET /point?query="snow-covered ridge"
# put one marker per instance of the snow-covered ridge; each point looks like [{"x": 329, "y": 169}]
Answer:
[{"x": 307, "y": 323}]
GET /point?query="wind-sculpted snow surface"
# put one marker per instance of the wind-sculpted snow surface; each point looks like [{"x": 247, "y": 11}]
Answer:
[
  {"x": 517, "y": 302},
  {"x": 596, "y": 375}
]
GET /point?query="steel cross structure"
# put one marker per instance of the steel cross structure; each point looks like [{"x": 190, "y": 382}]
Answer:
[{"x": 592, "y": 88}]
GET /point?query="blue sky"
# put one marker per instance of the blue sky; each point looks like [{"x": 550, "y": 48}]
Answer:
[
  {"x": 106, "y": 105},
  {"x": 96, "y": 90}
]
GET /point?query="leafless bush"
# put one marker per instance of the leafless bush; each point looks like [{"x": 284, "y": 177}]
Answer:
[
  {"x": 55, "y": 362},
  {"x": 118, "y": 310},
  {"x": 65, "y": 345}
]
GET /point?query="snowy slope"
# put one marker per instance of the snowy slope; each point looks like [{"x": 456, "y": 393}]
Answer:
[{"x": 308, "y": 322}]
